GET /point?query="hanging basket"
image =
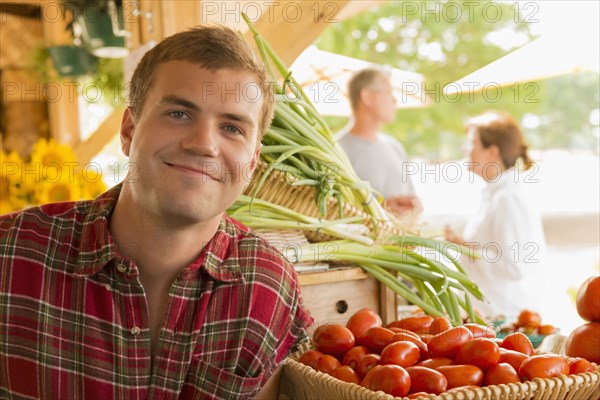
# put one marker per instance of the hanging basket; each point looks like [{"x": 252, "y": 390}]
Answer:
[{"x": 72, "y": 61}]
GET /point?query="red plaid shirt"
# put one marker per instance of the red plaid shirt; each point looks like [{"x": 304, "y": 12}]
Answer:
[{"x": 74, "y": 319}]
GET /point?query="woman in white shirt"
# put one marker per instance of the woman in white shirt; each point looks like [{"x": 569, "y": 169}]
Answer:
[{"x": 506, "y": 230}]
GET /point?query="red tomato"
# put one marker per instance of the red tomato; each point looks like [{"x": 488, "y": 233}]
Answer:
[
  {"x": 501, "y": 373},
  {"x": 428, "y": 380},
  {"x": 543, "y": 366},
  {"x": 546, "y": 329},
  {"x": 514, "y": 358},
  {"x": 584, "y": 342},
  {"x": 402, "y": 337},
  {"x": 333, "y": 339},
  {"x": 435, "y": 362},
  {"x": 392, "y": 379},
  {"x": 419, "y": 324},
  {"x": 446, "y": 344},
  {"x": 480, "y": 352},
  {"x": 406, "y": 331},
  {"x": 481, "y": 331},
  {"x": 426, "y": 337},
  {"x": 529, "y": 319},
  {"x": 367, "y": 363},
  {"x": 462, "y": 375},
  {"x": 346, "y": 374},
  {"x": 518, "y": 342},
  {"x": 588, "y": 299},
  {"x": 439, "y": 325},
  {"x": 377, "y": 338},
  {"x": 360, "y": 322},
  {"x": 580, "y": 365},
  {"x": 403, "y": 354},
  {"x": 353, "y": 356},
  {"x": 310, "y": 358},
  {"x": 327, "y": 363}
]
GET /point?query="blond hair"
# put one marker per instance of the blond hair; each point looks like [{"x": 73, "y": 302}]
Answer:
[{"x": 212, "y": 47}]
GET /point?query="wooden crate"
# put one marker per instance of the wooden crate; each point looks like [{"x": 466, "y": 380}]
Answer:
[{"x": 334, "y": 295}]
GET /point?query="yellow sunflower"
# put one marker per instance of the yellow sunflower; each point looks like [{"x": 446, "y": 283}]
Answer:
[
  {"x": 53, "y": 192},
  {"x": 52, "y": 160}
]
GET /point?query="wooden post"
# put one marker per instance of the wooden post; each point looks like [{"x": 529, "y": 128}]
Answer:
[{"x": 63, "y": 112}]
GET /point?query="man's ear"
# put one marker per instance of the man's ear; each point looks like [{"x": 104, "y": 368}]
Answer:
[
  {"x": 127, "y": 128},
  {"x": 255, "y": 158},
  {"x": 366, "y": 97}
]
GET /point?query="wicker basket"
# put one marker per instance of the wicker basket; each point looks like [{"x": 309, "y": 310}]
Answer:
[
  {"x": 302, "y": 382},
  {"x": 278, "y": 188}
]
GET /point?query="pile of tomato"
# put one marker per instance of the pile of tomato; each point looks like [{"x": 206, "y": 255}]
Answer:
[
  {"x": 420, "y": 355},
  {"x": 584, "y": 341},
  {"x": 530, "y": 323}
]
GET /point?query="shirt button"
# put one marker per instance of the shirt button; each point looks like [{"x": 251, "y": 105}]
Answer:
[
  {"x": 121, "y": 268},
  {"x": 135, "y": 330},
  {"x": 107, "y": 286}
]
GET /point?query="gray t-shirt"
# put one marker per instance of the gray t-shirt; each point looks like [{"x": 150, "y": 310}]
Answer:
[{"x": 381, "y": 163}]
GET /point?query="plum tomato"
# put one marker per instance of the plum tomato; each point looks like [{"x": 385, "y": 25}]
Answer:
[
  {"x": 404, "y": 354},
  {"x": 360, "y": 322},
  {"x": 391, "y": 379},
  {"x": 439, "y": 325},
  {"x": 543, "y": 366},
  {"x": 402, "y": 337},
  {"x": 435, "y": 362},
  {"x": 546, "y": 329},
  {"x": 518, "y": 342},
  {"x": 428, "y": 380},
  {"x": 377, "y": 338},
  {"x": 333, "y": 339},
  {"x": 480, "y": 352},
  {"x": 580, "y": 365},
  {"x": 514, "y": 358},
  {"x": 418, "y": 324},
  {"x": 310, "y": 358},
  {"x": 406, "y": 331},
  {"x": 353, "y": 356},
  {"x": 446, "y": 344},
  {"x": 367, "y": 363},
  {"x": 501, "y": 373},
  {"x": 327, "y": 363},
  {"x": 462, "y": 375},
  {"x": 480, "y": 331},
  {"x": 346, "y": 374},
  {"x": 588, "y": 299},
  {"x": 529, "y": 319},
  {"x": 584, "y": 342}
]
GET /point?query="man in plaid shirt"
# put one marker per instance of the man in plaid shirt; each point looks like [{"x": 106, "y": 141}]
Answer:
[{"x": 150, "y": 290}]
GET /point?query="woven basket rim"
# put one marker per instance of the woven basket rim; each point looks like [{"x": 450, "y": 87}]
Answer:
[{"x": 549, "y": 385}]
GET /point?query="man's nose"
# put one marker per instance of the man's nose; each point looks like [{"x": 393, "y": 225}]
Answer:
[{"x": 202, "y": 139}]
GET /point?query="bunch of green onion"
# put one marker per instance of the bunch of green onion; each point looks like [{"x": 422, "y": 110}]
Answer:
[{"x": 300, "y": 143}]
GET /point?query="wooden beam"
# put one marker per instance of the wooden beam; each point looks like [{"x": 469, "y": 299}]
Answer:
[
  {"x": 290, "y": 27},
  {"x": 86, "y": 151}
]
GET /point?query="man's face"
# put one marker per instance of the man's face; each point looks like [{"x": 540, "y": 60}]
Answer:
[
  {"x": 195, "y": 144},
  {"x": 384, "y": 102}
]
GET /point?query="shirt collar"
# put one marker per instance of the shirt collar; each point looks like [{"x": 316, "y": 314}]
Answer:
[{"x": 219, "y": 258}]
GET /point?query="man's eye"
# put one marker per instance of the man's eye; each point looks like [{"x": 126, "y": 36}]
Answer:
[
  {"x": 232, "y": 129},
  {"x": 178, "y": 114}
]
